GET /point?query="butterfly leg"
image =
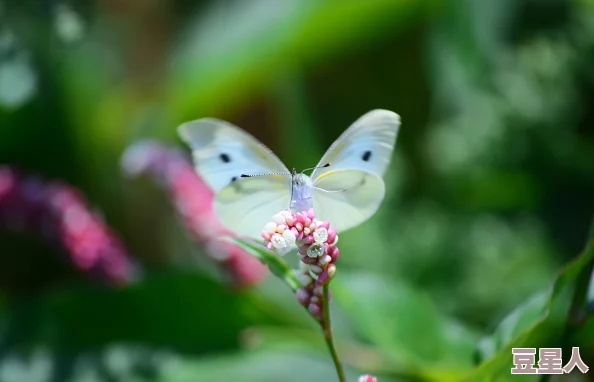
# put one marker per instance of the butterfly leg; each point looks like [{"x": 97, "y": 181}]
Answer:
[{"x": 330, "y": 191}]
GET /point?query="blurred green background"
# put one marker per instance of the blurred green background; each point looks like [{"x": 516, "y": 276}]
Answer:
[{"x": 490, "y": 192}]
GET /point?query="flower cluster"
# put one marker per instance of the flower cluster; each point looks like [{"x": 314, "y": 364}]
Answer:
[
  {"x": 316, "y": 243},
  {"x": 193, "y": 201},
  {"x": 59, "y": 213}
]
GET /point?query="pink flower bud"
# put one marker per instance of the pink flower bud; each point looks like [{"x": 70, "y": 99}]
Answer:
[
  {"x": 332, "y": 237},
  {"x": 308, "y": 240},
  {"x": 325, "y": 259},
  {"x": 331, "y": 270},
  {"x": 315, "y": 310},
  {"x": 270, "y": 227},
  {"x": 303, "y": 296},
  {"x": 320, "y": 235},
  {"x": 322, "y": 278},
  {"x": 325, "y": 225},
  {"x": 367, "y": 378},
  {"x": 308, "y": 260},
  {"x": 333, "y": 252}
]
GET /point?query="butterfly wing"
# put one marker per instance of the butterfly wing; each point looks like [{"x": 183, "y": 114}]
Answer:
[
  {"x": 351, "y": 189},
  {"x": 245, "y": 206},
  {"x": 222, "y": 153}
]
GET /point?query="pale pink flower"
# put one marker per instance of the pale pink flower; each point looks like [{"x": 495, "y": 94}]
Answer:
[
  {"x": 315, "y": 243},
  {"x": 367, "y": 378}
]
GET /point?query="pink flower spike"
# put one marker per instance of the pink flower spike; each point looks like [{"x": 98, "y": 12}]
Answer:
[{"x": 315, "y": 242}]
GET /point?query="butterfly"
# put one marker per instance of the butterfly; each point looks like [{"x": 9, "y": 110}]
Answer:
[{"x": 251, "y": 184}]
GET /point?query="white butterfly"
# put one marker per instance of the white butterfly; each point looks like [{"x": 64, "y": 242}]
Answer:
[{"x": 251, "y": 184}]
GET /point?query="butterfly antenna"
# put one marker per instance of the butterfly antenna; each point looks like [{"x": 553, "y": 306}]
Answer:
[
  {"x": 272, "y": 173},
  {"x": 315, "y": 168}
]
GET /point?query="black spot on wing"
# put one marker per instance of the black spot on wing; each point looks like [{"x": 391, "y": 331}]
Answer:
[
  {"x": 225, "y": 158},
  {"x": 233, "y": 179},
  {"x": 366, "y": 156}
]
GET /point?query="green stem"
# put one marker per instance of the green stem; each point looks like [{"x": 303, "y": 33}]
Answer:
[{"x": 327, "y": 328}]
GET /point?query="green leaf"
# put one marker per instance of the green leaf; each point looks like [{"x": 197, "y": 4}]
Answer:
[
  {"x": 513, "y": 324},
  {"x": 405, "y": 324},
  {"x": 277, "y": 266},
  {"x": 545, "y": 330},
  {"x": 174, "y": 309}
]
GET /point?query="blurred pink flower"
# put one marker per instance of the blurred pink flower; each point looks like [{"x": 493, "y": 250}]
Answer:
[
  {"x": 193, "y": 201},
  {"x": 59, "y": 213},
  {"x": 367, "y": 378}
]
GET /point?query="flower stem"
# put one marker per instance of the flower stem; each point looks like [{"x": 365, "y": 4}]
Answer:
[{"x": 327, "y": 328}]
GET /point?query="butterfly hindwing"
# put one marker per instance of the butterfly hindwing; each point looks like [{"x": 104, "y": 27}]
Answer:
[
  {"x": 246, "y": 206},
  {"x": 347, "y": 198}
]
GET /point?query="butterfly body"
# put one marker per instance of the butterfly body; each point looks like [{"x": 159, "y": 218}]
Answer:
[
  {"x": 251, "y": 184},
  {"x": 302, "y": 192}
]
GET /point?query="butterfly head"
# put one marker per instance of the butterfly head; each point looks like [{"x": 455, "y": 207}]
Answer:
[{"x": 299, "y": 179}]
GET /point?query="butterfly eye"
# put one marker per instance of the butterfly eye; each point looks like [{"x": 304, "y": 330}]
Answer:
[
  {"x": 225, "y": 158},
  {"x": 366, "y": 156}
]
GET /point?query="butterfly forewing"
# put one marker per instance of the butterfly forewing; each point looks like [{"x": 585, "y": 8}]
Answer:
[
  {"x": 366, "y": 145},
  {"x": 222, "y": 153},
  {"x": 351, "y": 189}
]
